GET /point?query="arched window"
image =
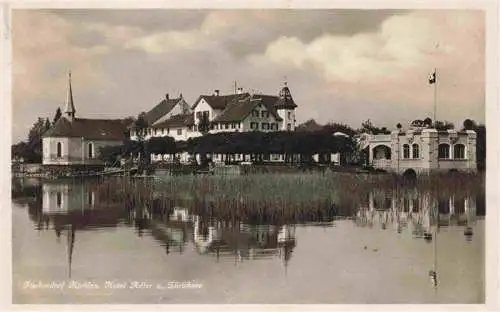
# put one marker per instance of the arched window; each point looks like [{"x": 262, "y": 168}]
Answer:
[
  {"x": 444, "y": 151},
  {"x": 406, "y": 151},
  {"x": 90, "y": 198},
  {"x": 91, "y": 150},
  {"x": 459, "y": 151},
  {"x": 58, "y": 199},
  {"x": 59, "y": 149},
  {"x": 416, "y": 151}
]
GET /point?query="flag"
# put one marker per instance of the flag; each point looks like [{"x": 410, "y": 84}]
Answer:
[{"x": 432, "y": 78}]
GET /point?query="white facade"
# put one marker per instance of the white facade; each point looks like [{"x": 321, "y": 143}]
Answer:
[
  {"x": 204, "y": 108},
  {"x": 73, "y": 151},
  {"x": 60, "y": 198},
  {"x": 259, "y": 119},
  {"x": 423, "y": 151},
  {"x": 288, "y": 116}
]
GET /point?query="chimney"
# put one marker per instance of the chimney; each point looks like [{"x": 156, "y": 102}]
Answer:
[
  {"x": 240, "y": 91},
  {"x": 216, "y": 92},
  {"x": 166, "y": 96}
]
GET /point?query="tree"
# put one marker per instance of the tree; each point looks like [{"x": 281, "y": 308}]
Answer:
[
  {"x": 34, "y": 143},
  {"x": 110, "y": 154},
  {"x": 480, "y": 130},
  {"x": 333, "y": 127},
  {"x": 368, "y": 127},
  {"x": 203, "y": 123},
  {"x": 443, "y": 125},
  {"x": 57, "y": 116},
  {"x": 480, "y": 146},
  {"x": 47, "y": 124},
  {"x": 469, "y": 124},
  {"x": 161, "y": 145},
  {"x": 428, "y": 121},
  {"x": 141, "y": 126}
]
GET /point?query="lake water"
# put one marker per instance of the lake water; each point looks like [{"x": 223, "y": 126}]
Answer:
[{"x": 70, "y": 248}]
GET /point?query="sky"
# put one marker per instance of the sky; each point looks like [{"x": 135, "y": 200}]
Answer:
[{"x": 340, "y": 65}]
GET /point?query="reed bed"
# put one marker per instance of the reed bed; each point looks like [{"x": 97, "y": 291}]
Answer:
[{"x": 270, "y": 198}]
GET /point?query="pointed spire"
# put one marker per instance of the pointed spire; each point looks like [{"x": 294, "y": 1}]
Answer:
[{"x": 70, "y": 107}]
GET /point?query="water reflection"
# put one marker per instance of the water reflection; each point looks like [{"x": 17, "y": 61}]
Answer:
[
  {"x": 417, "y": 212},
  {"x": 72, "y": 208},
  {"x": 69, "y": 208}
]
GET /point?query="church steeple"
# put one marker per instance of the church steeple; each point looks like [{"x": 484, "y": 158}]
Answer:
[{"x": 70, "y": 107}]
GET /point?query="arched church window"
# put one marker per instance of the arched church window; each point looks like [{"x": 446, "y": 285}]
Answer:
[{"x": 59, "y": 149}]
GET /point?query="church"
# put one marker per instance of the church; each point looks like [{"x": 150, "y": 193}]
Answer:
[{"x": 76, "y": 142}]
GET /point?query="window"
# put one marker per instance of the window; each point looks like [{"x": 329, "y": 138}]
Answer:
[
  {"x": 415, "y": 150},
  {"x": 155, "y": 131},
  {"x": 265, "y": 126},
  {"x": 90, "y": 198},
  {"x": 459, "y": 151},
  {"x": 444, "y": 151},
  {"x": 162, "y": 131},
  {"x": 406, "y": 151},
  {"x": 289, "y": 115},
  {"x": 233, "y": 125},
  {"x": 179, "y": 131},
  {"x": 58, "y": 199},
  {"x": 226, "y": 126},
  {"x": 254, "y": 125},
  {"x": 59, "y": 149},
  {"x": 91, "y": 150},
  {"x": 255, "y": 113}
]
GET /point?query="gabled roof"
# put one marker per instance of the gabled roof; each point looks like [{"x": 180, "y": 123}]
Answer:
[
  {"x": 238, "y": 109},
  {"x": 220, "y": 101},
  {"x": 91, "y": 129},
  {"x": 176, "y": 121},
  {"x": 162, "y": 108}
]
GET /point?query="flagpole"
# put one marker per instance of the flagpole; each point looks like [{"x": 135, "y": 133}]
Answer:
[{"x": 435, "y": 95}]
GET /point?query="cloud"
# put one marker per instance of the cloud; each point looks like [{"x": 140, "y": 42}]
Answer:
[
  {"x": 148, "y": 20},
  {"x": 341, "y": 65},
  {"x": 42, "y": 56},
  {"x": 392, "y": 65}
]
